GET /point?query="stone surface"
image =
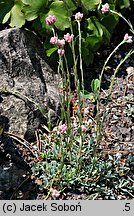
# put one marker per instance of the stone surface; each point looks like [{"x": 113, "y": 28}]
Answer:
[
  {"x": 26, "y": 81},
  {"x": 14, "y": 171}
]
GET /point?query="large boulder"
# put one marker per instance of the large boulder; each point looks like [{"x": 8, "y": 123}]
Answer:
[{"x": 28, "y": 86}]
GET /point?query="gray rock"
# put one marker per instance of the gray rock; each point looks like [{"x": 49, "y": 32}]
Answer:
[
  {"x": 26, "y": 81},
  {"x": 14, "y": 169},
  {"x": 9, "y": 176}
]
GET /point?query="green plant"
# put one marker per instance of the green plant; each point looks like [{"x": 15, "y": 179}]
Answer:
[
  {"x": 100, "y": 177},
  {"x": 71, "y": 157}
]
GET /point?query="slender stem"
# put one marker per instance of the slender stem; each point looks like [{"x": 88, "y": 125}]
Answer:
[
  {"x": 81, "y": 66},
  {"x": 72, "y": 47},
  {"x": 111, "y": 85},
  {"x": 68, "y": 97},
  {"x": 80, "y": 123},
  {"x": 128, "y": 22},
  {"x": 75, "y": 64},
  {"x": 104, "y": 66},
  {"x": 98, "y": 94},
  {"x": 117, "y": 68},
  {"x": 68, "y": 76},
  {"x": 61, "y": 87},
  {"x": 68, "y": 100},
  {"x": 71, "y": 28},
  {"x": 53, "y": 31}
]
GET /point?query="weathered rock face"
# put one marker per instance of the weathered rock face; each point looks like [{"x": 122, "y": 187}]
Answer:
[{"x": 26, "y": 80}]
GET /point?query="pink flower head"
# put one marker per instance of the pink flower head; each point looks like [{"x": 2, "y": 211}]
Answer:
[
  {"x": 50, "y": 20},
  {"x": 68, "y": 38},
  {"x": 62, "y": 128},
  {"x": 105, "y": 8},
  {"x": 53, "y": 40},
  {"x": 60, "y": 42},
  {"x": 78, "y": 16},
  {"x": 55, "y": 193},
  {"x": 61, "y": 51},
  {"x": 128, "y": 38},
  {"x": 83, "y": 128}
]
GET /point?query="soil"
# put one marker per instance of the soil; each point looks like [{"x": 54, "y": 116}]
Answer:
[{"x": 119, "y": 127}]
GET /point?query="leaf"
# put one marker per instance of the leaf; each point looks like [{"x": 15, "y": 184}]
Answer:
[
  {"x": 38, "y": 26},
  {"x": 90, "y": 4},
  {"x": 106, "y": 34},
  {"x": 94, "y": 26},
  {"x": 87, "y": 54},
  {"x": 1, "y": 130},
  {"x": 17, "y": 17},
  {"x": 47, "y": 28},
  {"x": 32, "y": 8},
  {"x": 95, "y": 84},
  {"x": 5, "y": 7},
  {"x": 89, "y": 96},
  {"x": 123, "y": 3},
  {"x": 71, "y": 6},
  {"x": 94, "y": 42},
  {"x": 6, "y": 17},
  {"x": 58, "y": 9},
  {"x": 110, "y": 22},
  {"x": 98, "y": 32},
  {"x": 50, "y": 51}
]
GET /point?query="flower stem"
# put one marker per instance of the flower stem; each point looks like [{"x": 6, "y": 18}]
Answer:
[
  {"x": 111, "y": 86},
  {"x": 128, "y": 22},
  {"x": 98, "y": 93},
  {"x": 81, "y": 66},
  {"x": 104, "y": 66}
]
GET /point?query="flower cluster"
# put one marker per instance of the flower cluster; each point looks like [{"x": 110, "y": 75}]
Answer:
[
  {"x": 128, "y": 38},
  {"x": 105, "y": 8},
  {"x": 68, "y": 38},
  {"x": 61, "y": 51},
  {"x": 60, "y": 43},
  {"x": 50, "y": 20},
  {"x": 54, "y": 40},
  {"x": 79, "y": 16}
]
